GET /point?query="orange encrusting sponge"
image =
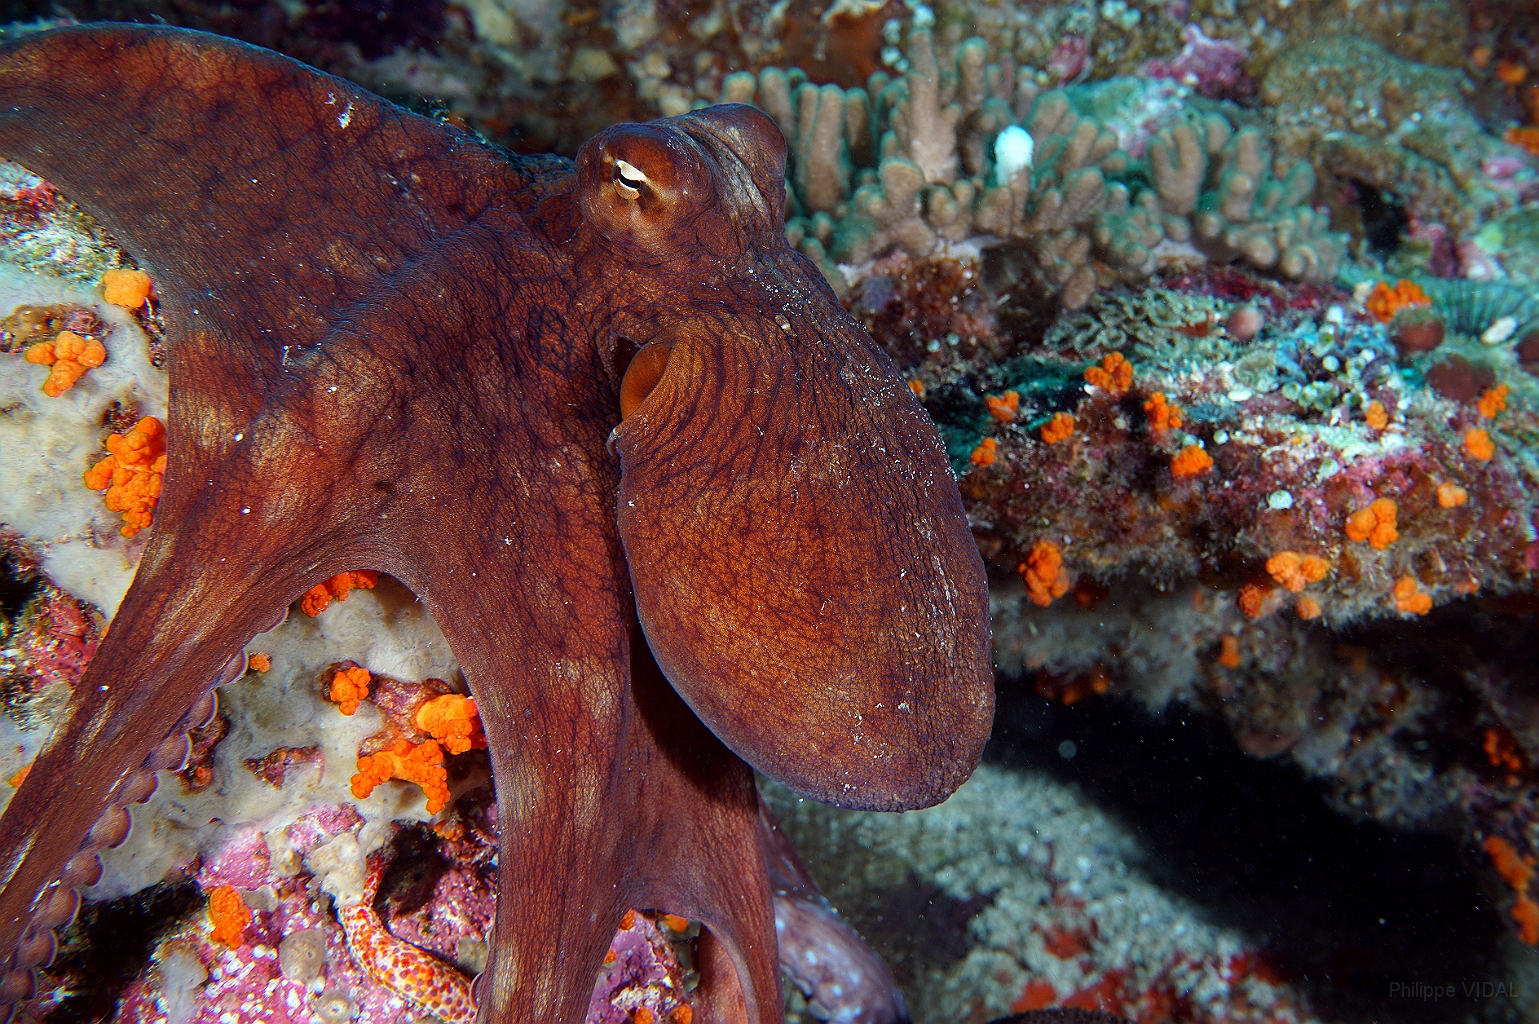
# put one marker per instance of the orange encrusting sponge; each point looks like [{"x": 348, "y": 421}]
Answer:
[
  {"x": 1385, "y": 301},
  {"x": 126, "y": 288},
  {"x": 1517, "y": 872},
  {"x": 229, "y": 914},
  {"x": 1295, "y": 571},
  {"x": 1043, "y": 573},
  {"x": 319, "y": 597},
  {"x": 1114, "y": 375},
  {"x": 349, "y": 688},
  {"x": 1190, "y": 461},
  {"x": 70, "y": 356},
  {"x": 1374, "y": 524},
  {"x": 422, "y": 764},
  {"x": 1058, "y": 428},
  {"x": 453, "y": 721},
  {"x": 1162, "y": 415},
  {"x": 133, "y": 474}
]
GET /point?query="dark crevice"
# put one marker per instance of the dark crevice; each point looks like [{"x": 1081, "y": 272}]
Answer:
[
  {"x": 1385, "y": 220},
  {"x": 1345, "y": 908},
  {"x": 109, "y": 946}
]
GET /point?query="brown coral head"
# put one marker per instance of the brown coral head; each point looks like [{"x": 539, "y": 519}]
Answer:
[
  {"x": 1528, "y": 352},
  {"x": 1245, "y": 322},
  {"x": 1459, "y": 380},
  {"x": 1415, "y": 330},
  {"x": 800, "y": 558}
]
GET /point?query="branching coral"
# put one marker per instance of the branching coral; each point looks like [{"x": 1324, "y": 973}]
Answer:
[
  {"x": 970, "y": 150},
  {"x": 1221, "y": 190}
]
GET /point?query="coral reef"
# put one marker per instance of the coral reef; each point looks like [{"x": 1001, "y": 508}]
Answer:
[
  {"x": 974, "y": 154},
  {"x": 1025, "y": 898},
  {"x": 1366, "y": 118}
]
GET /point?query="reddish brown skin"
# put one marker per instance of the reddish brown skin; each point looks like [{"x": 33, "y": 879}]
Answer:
[{"x": 397, "y": 347}]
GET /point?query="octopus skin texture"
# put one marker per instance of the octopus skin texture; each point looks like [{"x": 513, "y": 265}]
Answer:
[{"x": 675, "y": 512}]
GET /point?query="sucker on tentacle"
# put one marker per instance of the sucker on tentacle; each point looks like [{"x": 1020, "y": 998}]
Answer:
[{"x": 59, "y": 903}]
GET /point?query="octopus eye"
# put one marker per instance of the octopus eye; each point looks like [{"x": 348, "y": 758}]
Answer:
[
  {"x": 641, "y": 376},
  {"x": 629, "y": 179}
]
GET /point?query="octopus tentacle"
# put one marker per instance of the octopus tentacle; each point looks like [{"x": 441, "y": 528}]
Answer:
[{"x": 151, "y": 681}]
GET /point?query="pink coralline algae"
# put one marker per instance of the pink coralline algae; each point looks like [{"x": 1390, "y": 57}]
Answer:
[
  {"x": 1214, "y": 67},
  {"x": 1070, "y": 59},
  {"x": 244, "y": 862},
  {"x": 54, "y": 642},
  {"x": 641, "y": 972},
  {"x": 320, "y": 824}
]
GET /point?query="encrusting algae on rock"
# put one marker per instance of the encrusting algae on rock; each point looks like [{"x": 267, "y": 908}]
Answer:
[{"x": 1295, "y": 455}]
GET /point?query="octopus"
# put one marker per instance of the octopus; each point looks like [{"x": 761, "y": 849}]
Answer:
[{"x": 677, "y": 515}]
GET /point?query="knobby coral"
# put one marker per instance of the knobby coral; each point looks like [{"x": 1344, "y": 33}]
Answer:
[
  {"x": 349, "y": 687},
  {"x": 69, "y": 356},
  {"x": 969, "y": 150},
  {"x": 1375, "y": 523},
  {"x": 452, "y": 719},
  {"x": 229, "y": 914},
  {"x": 419, "y": 763},
  {"x": 319, "y": 597}
]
